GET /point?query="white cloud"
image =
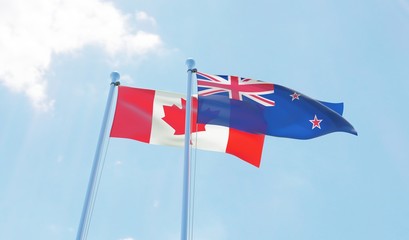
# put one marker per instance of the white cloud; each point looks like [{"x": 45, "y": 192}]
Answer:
[
  {"x": 127, "y": 238},
  {"x": 32, "y": 32},
  {"x": 143, "y": 16}
]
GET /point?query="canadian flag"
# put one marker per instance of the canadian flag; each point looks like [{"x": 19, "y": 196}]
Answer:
[{"x": 157, "y": 117}]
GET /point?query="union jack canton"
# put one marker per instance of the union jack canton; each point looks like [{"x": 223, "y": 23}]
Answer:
[{"x": 236, "y": 87}]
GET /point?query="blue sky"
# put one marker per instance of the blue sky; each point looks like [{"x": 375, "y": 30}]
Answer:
[{"x": 55, "y": 62}]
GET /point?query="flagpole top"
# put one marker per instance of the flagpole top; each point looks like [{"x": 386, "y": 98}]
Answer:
[
  {"x": 114, "y": 78},
  {"x": 190, "y": 62}
]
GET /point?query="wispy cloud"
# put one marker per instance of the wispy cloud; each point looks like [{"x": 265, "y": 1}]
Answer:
[
  {"x": 156, "y": 204},
  {"x": 143, "y": 16},
  {"x": 404, "y": 4},
  {"x": 33, "y": 32}
]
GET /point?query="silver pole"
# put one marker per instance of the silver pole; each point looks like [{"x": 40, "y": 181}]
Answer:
[
  {"x": 85, "y": 216},
  {"x": 186, "y": 174}
]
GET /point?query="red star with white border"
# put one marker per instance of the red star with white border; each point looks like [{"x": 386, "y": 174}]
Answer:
[
  {"x": 295, "y": 96},
  {"x": 316, "y": 122}
]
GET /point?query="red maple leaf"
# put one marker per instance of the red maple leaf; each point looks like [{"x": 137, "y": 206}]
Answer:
[{"x": 175, "y": 117}]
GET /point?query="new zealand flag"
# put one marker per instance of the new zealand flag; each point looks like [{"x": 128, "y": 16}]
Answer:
[{"x": 259, "y": 107}]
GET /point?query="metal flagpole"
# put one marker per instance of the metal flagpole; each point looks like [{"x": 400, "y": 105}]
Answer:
[
  {"x": 186, "y": 174},
  {"x": 81, "y": 234}
]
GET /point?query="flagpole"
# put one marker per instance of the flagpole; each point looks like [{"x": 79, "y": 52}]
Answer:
[
  {"x": 85, "y": 216},
  {"x": 186, "y": 174}
]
